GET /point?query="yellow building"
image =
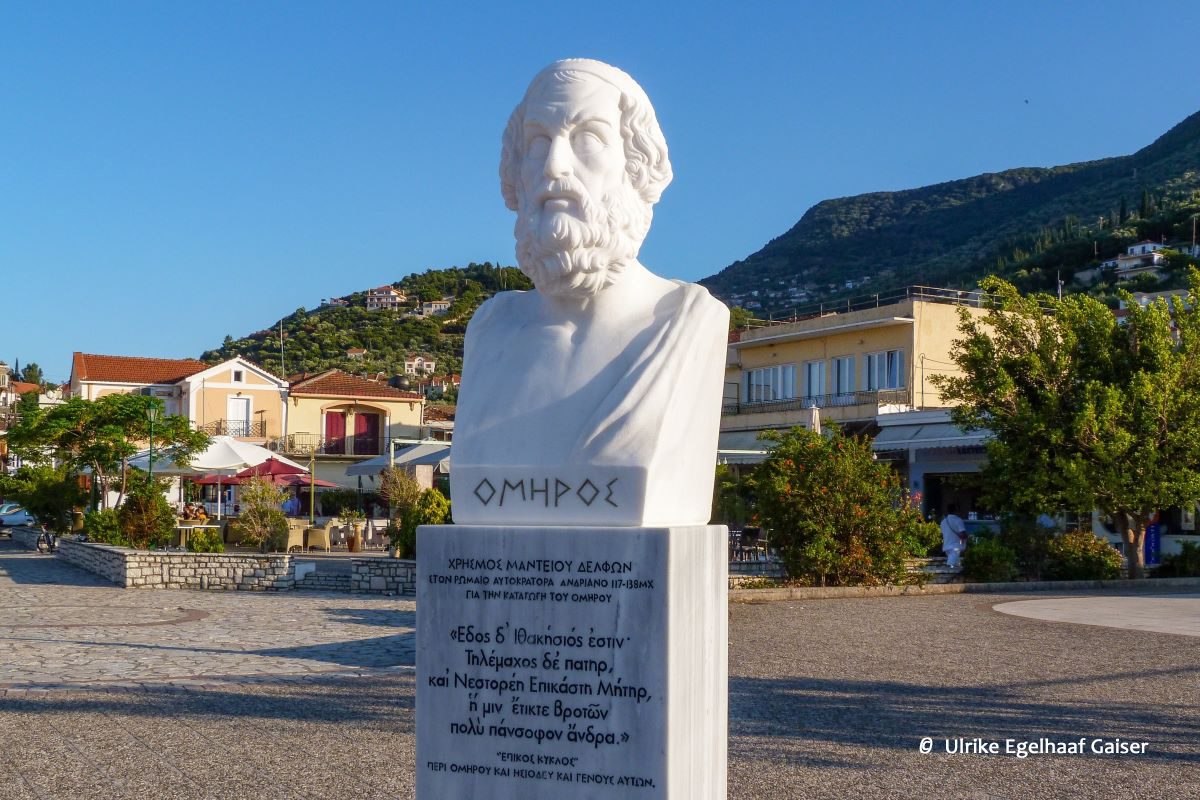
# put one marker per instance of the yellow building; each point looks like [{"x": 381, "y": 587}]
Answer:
[
  {"x": 234, "y": 398},
  {"x": 867, "y": 365},
  {"x": 340, "y": 419}
]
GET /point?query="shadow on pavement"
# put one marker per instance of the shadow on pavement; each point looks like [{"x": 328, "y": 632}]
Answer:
[
  {"x": 896, "y": 715},
  {"x": 21, "y": 566}
]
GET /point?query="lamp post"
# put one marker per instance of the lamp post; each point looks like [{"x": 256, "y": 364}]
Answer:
[{"x": 152, "y": 413}]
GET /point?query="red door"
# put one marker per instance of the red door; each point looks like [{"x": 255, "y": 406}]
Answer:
[
  {"x": 366, "y": 434},
  {"x": 335, "y": 432}
]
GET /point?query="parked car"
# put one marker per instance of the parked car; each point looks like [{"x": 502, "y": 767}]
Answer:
[
  {"x": 18, "y": 517},
  {"x": 8, "y": 508}
]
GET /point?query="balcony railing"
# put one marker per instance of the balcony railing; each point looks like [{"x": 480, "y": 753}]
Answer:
[
  {"x": 303, "y": 444},
  {"x": 235, "y": 427},
  {"x": 881, "y": 397}
]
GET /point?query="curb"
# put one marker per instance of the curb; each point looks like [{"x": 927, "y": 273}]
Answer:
[{"x": 835, "y": 592}]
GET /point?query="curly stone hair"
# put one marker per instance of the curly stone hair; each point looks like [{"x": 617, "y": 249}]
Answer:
[{"x": 646, "y": 161}]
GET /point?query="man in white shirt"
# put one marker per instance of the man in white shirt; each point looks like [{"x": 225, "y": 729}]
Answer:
[{"x": 954, "y": 536}]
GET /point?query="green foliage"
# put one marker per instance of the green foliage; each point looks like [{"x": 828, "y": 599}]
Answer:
[
  {"x": 733, "y": 497},
  {"x": 335, "y": 502},
  {"x": 1030, "y": 220},
  {"x": 1080, "y": 556},
  {"x": 104, "y": 527},
  {"x": 986, "y": 560},
  {"x": 205, "y": 540},
  {"x": 146, "y": 518},
  {"x": 1184, "y": 564},
  {"x": 836, "y": 515},
  {"x": 738, "y": 318},
  {"x": 48, "y": 493},
  {"x": 430, "y": 508},
  {"x": 399, "y": 490},
  {"x": 101, "y": 435},
  {"x": 261, "y": 521},
  {"x": 317, "y": 340},
  {"x": 1030, "y": 544},
  {"x": 1075, "y": 400},
  {"x": 32, "y": 373}
]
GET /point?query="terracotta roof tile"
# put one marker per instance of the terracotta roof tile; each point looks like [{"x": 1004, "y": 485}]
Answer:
[
  {"x": 132, "y": 369},
  {"x": 21, "y": 387},
  {"x": 343, "y": 384}
]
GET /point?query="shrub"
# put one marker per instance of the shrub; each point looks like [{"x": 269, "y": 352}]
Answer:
[
  {"x": 48, "y": 493},
  {"x": 145, "y": 517},
  {"x": 336, "y": 501},
  {"x": 1184, "y": 564},
  {"x": 1030, "y": 544},
  {"x": 104, "y": 527},
  {"x": 205, "y": 540},
  {"x": 987, "y": 560},
  {"x": 1080, "y": 556},
  {"x": 261, "y": 522},
  {"x": 431, "y": 508},
  {"x": 836, "y": 515}
]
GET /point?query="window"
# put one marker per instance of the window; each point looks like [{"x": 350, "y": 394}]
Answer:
[
  {"x": 842, "y": 372},
  {"x": 237, "y": 376},
  {"x": 814, "y": 378},
  {"x": 885, "y": 370},
  {"x": 771, "y": 383}
]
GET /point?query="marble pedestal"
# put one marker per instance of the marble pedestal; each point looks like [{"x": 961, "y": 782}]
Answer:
[{"x": 572, "y": 662}]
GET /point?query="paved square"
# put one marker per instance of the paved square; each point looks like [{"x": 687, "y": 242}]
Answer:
[{"x": 161, "y": 694}]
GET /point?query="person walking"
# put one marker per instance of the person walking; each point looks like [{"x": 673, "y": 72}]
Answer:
[{"x": 954, "y": 536}]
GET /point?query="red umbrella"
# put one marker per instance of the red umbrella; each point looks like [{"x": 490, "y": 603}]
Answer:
[
  {"x": 271, "y": 467},
  {"x": 212, "y": 480},
  {"x": 302, "y": 480}
]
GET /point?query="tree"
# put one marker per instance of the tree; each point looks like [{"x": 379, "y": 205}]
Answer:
[
  {"x": 32, "y": 373},
  {"x": 836, "y": 515},
  {"x": 1085, "y": 411},
  {"x": 738, "y": 318},
  {"x": 101, "y": 435},
  {"x": 50, "y": 494}
]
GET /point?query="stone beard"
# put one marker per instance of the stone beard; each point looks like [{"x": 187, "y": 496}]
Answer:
[{"x": 594, "y": 399}]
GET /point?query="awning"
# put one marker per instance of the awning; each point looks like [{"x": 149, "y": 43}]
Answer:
[
  {"x": 436, "y": 454},
  {"x": 925, "y": 437},
  {"x": 740, "y": 447}
]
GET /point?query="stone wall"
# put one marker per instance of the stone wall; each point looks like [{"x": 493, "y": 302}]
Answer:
[
  {"x": 324, "y": 582},
  {"x": 164, "y": 570},
  {"x": 25, "y": 537},
  {"x": 384, "y": 576}
]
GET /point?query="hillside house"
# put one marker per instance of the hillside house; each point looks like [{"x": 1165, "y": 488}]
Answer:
[
  {"x": 419, "y": 365},
  {"x": 385, "y": 297},
  {"x": 1143, "y": 258}
]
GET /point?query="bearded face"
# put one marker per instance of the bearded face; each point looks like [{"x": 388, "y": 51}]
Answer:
[
  {"x": 569, "y": 254},
  {"x": 579, "y": 220}
]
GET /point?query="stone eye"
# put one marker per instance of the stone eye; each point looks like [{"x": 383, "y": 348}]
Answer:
[
  {"x": 538, "y": 147},
  {"x": 587, "y": 142}
]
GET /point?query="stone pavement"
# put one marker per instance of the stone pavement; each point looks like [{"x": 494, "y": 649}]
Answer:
[
  {"x": 62, "y": 627},
  {"x": 828, "y": 698},
  {"x": 1177, "y": 614}
]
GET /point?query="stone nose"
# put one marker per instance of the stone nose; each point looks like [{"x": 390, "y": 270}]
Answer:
[{"x": 558, "y": 159}]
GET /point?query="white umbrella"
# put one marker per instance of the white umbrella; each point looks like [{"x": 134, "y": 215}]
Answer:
[
  {"x": 435, "y": 453},
  {"x": 225, "y": 455}
]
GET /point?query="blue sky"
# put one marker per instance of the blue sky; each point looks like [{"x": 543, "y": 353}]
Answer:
[{"x": 172, "y": 172}]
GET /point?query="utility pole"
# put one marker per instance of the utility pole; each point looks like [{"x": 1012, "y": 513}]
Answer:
[{"x": 1060, "y": 285}]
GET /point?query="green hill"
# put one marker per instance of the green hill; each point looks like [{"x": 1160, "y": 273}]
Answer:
[
  {"x": 951, "y": 234},
  {"x": 317, "y": 340}
]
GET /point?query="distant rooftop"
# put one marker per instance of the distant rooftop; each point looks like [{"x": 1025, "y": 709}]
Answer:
[{"x": 926, "y": 294}]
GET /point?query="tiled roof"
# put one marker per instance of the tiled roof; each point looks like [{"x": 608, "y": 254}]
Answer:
[
  {"x": 440, "y": 413},
  {"x": 342, "y": 384},
  {"x": 21, "y": 387},
  {"x": 132, "y": 369}
]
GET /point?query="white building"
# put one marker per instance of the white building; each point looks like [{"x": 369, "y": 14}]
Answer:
[{"x": 385, "y": 297}]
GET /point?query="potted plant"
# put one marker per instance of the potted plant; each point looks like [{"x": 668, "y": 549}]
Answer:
[{"x": 354, "y": 519}]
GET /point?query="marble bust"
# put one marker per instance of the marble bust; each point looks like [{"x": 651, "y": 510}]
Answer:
[{"x": 594, "y": 399}]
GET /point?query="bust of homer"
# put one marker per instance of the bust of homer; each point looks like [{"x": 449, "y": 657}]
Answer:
[{"x": 594, "y": 399}]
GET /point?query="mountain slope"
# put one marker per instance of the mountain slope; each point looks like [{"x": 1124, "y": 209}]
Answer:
[{"x": 952, "y": 233}]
